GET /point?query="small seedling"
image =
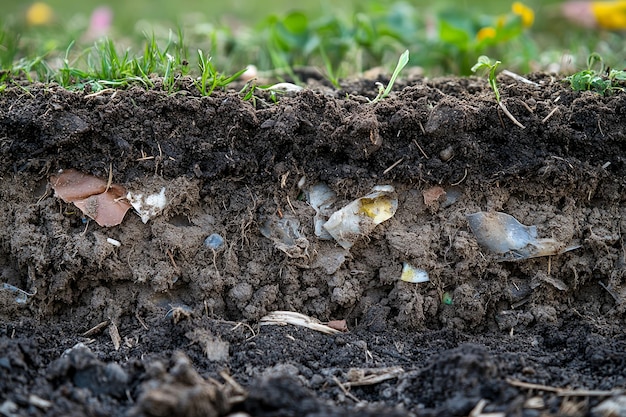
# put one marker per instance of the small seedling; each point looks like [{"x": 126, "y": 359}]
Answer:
[
  {"x": 600, "y": 81},
  {"x": 383, "y": 91},
  {"x": 484, "y": 63},
  {"x": 210, "y": 78}
]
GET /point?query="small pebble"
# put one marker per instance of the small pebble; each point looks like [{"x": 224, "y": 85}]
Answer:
[
  {"x": 214, "y": 241},
  {"x": 446, "y": 154}
]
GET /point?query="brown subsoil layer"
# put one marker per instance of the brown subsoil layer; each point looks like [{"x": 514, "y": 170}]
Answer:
[{"x": 152, "y": 319}]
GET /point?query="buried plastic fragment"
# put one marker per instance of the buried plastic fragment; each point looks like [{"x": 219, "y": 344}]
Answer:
[
  {"x": 21, "y": 296},
  {"x": 412, "y": 274},
  {"x": 321, "y": 198},
  {"x": 285, "y": 233},
  {"x": 148, "y": 207},
  {"x": 362, "y": 215},
  {"x": 503, "y": 234},
  {"x": 214, "y": 241},
  {"x": 103, "y": 202}
]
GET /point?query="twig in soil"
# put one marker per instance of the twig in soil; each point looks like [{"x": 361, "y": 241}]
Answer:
[
  {"x": 239, "y": 324},
  {"x": 101, "y": 92},
  {"x": 545, "y": 119},
  {"x": 96, "y": 329},
  {"x": 611, "y": 292},
  {"x": 115, "y": 336},
  {"x": 140, "y": 320},
  {"x": 169, "y": 253},
  {"x": 291, "y": 206},
  {"x": 510, "y": 116},
  {"x": 282, "y": 318},
  {"x": 362, "y": 377},
  {"x": 519, "y": 78},
  {"x": 422, "y": 127},
  {"x": 527, "y": 107},
  {"x": 234, "y": 384},
  {"x": 477, "y": 411},
  {"x": 420, "y": 148},
  {"x": 110, "y": 179},
  {"x": 564, "y": 392},
  {"x": 345, "y": 390},
  {"x": 392, "y": 166},
  {"x": 461, "y": 180}
]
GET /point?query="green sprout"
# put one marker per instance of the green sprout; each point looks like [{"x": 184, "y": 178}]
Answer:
[
  {"x": 597, "y": 80},
  {"x": 209, "y": 78},
  {"x": 485, "y": 64},
  {"x": 383, "y": 91}
]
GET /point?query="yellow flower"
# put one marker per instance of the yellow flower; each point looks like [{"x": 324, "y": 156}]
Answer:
[
  {"x": 610, "y": 14},
  {"x": 525, "y": 12},
  {"x": 486, "y": 33},
  {"x": 39, "y": 14}
]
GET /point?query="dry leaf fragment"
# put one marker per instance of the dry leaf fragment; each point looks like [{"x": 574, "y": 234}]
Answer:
[
  {"x": 106, "y": 205},
  {"x": 433, "y": 195},
  {"x": 340, "y": 325}
]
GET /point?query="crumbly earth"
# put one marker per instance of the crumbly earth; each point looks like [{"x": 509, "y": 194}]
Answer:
[{"x": 166, "y": 324}]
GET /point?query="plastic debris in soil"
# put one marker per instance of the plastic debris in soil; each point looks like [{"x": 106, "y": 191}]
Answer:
[
  {"x": 503, "y": 234},
  {"x": 413, "y": 274},
  {"x": 148, "y": 206},
  {"x": 361, "y": 216}
]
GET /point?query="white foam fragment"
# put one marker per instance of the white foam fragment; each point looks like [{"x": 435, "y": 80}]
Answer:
[{"x": 148, "y": 207}]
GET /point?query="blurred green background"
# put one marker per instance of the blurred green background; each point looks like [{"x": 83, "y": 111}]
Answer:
[
  {"x": 128, "y": 13},
  {"x": 338, "y": 38}
]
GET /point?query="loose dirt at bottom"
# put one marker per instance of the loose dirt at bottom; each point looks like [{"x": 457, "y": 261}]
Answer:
[{"x": 162, "y": 318}]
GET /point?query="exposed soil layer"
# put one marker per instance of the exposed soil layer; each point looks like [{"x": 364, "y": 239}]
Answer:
[{"x": 167, "y": 322}]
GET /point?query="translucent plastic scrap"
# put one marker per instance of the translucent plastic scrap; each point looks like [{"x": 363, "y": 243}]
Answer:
[
  {"x": 503, "y": 234},
  {"x": 413, "y": 274},
  {"x": 214, "y": 241},
  {"x": 361, "y": 216},
  {"x": 321, "y": 198}
]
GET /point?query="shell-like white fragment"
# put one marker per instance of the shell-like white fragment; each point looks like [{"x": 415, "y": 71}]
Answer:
[
  {"x": 412, "y": 274},
  {"x": 361, "y": 216},
  {"x": 503, "y": 234},
  {"x": 321, "y": 198},
  {"x": 285, "y": 88},
  {"x": 148, "y": 207}
]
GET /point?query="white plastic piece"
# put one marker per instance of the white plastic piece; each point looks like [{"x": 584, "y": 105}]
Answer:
[
  {"x": 285, "y": 88},
  {"x": 321, "y": 198},
  {"x": 503, "y": 234},
  {"x": 148, "y": 207},
  {"x": 362, "y": 215},
  {"x": 412, "y": 274},
  {"x": 114, "y": 242}
]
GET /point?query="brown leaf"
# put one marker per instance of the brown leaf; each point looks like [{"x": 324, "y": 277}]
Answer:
[
  {"x": 90, "y": 195},
  {"x": 433, "y": 195},
  {"x": 71, "y": 185},
  {"x": 340, "y": 325}
]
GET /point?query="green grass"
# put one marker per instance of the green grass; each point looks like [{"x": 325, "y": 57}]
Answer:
[
  {"x": 350, "y": 39},
  {"x": 597, "y": 78}
]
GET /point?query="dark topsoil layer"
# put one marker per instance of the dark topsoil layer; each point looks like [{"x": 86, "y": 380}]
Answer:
[{"x": 169, "y": 326}]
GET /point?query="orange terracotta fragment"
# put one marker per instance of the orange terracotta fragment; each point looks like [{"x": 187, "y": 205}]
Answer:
[
  {"x": 433, "y": 195},
  {"x": 90, "y": 195},
  {"x": 340, "y": 325}
]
